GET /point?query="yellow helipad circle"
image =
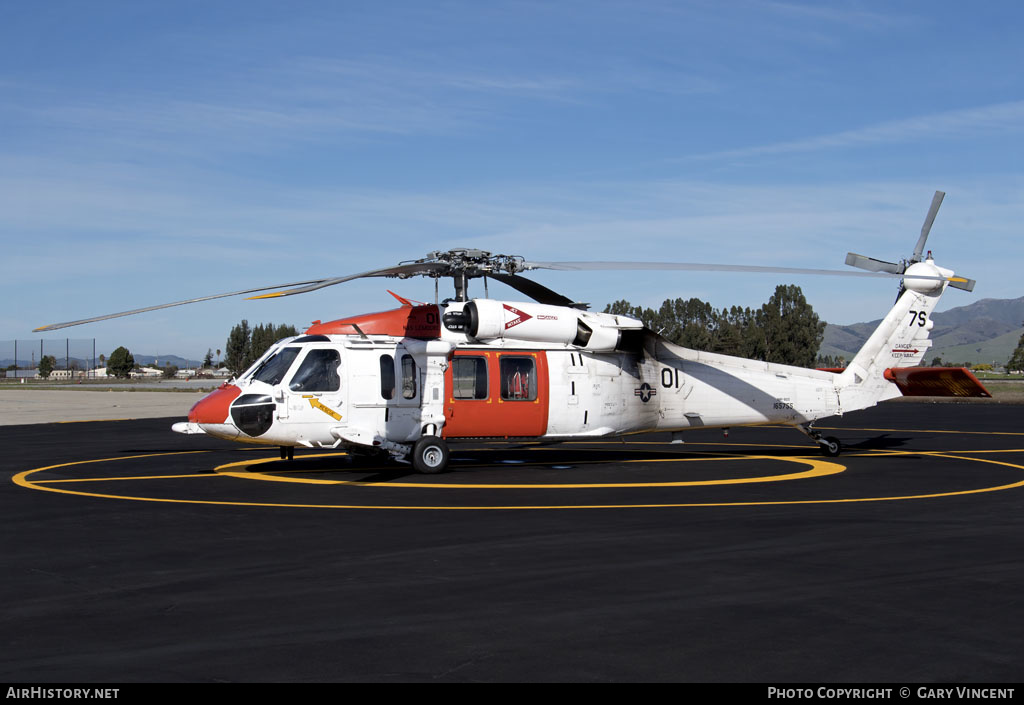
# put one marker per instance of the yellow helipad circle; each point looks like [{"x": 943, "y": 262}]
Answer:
[{"x": 818, "y": 468}]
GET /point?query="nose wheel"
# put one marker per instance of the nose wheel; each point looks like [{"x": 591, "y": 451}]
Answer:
[{"x": 430, "y": 455}]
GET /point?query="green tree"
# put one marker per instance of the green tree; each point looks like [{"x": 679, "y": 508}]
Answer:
[
  {"x": 1016, "y": 363},
  {"x": 284, "y": 331},
  {"x": 46, "y": 366},
  {"x": 691, "y": 323},
  {"x": 736, "y": 332},
  {"x": 262, "y": 338},
  {"x": 169, "y": 371},
  {"x": 236, "y": 351},
  {"x": 829, "y": 361},
  {"x": 623, "y": 308},
  {"x": 785, "y": 329},
  {"x": 121, "y": 363},
  {"x": 246, "y": 345},
  {"x": 792, "y": 331},
  {"x": 695, "y": 324},
  {"x": 208, "y": 360}
]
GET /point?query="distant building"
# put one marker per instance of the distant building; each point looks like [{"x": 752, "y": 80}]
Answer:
[{"x": 63, "y": 375}]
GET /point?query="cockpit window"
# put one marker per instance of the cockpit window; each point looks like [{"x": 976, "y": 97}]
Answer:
[
  {"x": 318, "y": 372},
  {"x": 273, "y": 369}
]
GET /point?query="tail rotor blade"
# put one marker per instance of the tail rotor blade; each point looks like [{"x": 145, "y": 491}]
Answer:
[
  {"x": 872, "y": 265},
  {"x": 962, "y": 283},
  {"x": 926, "y": 228}
]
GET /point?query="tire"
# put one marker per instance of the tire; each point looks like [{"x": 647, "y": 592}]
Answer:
[
  {"x": 430, "y": 455},
  {"x": 831, "y": 447}
]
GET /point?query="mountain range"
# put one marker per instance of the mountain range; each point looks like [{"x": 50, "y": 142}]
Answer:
[
  {"x": 985, "y": 331},
  {"x": 85, "y": 364}
]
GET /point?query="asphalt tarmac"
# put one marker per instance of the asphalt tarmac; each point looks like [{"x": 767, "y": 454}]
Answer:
[
  {"x": 133, "y": 554},
  {"x": 22, "y": 405}
]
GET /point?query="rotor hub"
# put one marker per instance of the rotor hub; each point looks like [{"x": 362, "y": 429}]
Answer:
[{"x": 471, "y": 263}]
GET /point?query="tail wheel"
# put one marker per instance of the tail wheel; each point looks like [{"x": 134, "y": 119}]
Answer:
[
  {"x": 831, "y": 447},
  {"x": 430, "y": 455}
]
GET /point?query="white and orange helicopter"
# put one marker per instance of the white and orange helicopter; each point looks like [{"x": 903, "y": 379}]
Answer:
[{"x": 408, "y": 381}]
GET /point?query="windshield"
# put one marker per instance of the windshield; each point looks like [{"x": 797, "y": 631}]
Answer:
[{"x": 273, "y": 369}]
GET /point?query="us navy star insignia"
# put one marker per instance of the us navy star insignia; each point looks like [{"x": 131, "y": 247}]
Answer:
[{"x": 645, "y": 392}]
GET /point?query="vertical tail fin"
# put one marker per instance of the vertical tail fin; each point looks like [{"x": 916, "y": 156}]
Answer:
[{"x": 901, "y": 339}]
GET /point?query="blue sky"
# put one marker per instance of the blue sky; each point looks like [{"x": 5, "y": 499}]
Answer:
[{"x": 153, "y": 151}]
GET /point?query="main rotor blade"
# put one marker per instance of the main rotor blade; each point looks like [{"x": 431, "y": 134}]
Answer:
[
  {"x": 401, "y": 270},
  {"x": 537, "y": 292},
  {"x": 297, "y": 288},
  {"x": 56, "y": 326},
  {"x": 927, "y": 227},
  {"x": 699, "y": 267}
]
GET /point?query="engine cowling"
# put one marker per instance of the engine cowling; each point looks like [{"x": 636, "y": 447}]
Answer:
[{"x": 488, "y": 319}]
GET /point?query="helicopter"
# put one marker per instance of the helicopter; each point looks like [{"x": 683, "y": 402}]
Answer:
[{"x": 407, "y": 382}]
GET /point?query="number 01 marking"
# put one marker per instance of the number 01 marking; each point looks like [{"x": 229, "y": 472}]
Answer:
[{"x": 670, "y": 378}]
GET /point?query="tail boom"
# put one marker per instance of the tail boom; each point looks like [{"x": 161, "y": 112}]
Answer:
[{"x": 901, "y": 340}]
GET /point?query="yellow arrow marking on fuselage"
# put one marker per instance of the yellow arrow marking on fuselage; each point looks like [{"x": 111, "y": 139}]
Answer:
[{"x": 316, "y": 404}]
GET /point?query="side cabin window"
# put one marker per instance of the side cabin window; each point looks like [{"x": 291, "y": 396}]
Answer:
[
  {"x": 518, "y": 378},
  {"x": 318, "y": 372},
  {"x": 469, "y": 377},
  {"x": 408, "y": 377},
  {"x": 387, "y": 377},
  {"x": 273, "y": 369}
]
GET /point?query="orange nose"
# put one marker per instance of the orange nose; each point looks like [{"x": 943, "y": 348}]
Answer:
[{"x": 213, "y": 408}]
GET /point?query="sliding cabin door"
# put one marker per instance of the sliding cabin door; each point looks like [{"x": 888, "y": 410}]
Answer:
[{"x": 496, "y": 394}]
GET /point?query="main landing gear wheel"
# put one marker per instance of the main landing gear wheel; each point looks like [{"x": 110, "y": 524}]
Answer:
[
  {"x": 430, "y": 455},
  {"x": 830, "y": 447}
]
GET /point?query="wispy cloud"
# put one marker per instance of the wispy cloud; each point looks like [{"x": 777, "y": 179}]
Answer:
[
  {"x": 421, "y": 79},
  {"x": 854, "y": 17},
  {"x": 972, "y": 122},
  {"x": 302, "y": 100}
]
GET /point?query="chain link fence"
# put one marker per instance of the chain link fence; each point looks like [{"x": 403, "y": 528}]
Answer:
[{"x": 73, "y": 358}]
